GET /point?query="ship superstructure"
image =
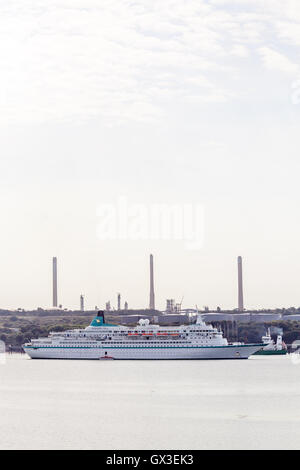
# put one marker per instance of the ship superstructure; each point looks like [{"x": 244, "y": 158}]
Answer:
[{"x": 145, "y": 341}]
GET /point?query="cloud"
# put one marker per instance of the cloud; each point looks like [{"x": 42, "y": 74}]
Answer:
[
  {"x": 122, "y": 60},
  {"x": 274, "y": 60},
  {"x": 239, "y": 50}
]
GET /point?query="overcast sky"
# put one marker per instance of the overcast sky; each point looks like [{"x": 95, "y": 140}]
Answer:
[{"x": 157, "y": 102}]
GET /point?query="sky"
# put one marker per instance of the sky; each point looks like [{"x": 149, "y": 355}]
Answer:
[{"x": 111, "y": 109}]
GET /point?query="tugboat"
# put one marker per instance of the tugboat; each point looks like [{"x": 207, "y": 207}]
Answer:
[{"x": 270, "y": 347}]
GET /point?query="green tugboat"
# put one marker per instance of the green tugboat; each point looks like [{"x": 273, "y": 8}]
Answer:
[{"x": 271, "y": 348}]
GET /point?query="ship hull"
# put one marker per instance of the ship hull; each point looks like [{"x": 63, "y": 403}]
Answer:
[
  {"x": 144, "y": 353},
  {"x": 267, "y": 352}
]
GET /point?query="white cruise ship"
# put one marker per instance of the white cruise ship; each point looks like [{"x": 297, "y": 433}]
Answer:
[{"x": 105, "y": 341}]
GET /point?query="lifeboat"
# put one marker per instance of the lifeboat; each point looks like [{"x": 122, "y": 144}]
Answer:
[{"x": 168, "y": 334}]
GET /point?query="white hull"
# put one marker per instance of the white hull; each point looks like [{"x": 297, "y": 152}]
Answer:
[{"x": 146, "y": 353}]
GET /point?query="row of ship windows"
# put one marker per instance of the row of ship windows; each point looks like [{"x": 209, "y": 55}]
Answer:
[
  {"x": 151, "y": 344},
  {"x": 122, "y": 343},
  {"x": 143, "y": 331},
  {"x": 206, "y": 333},
  {"x": 137, "y": 342}
]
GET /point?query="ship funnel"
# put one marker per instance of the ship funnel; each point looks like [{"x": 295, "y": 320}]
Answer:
[{"x": 101, "y": 315}]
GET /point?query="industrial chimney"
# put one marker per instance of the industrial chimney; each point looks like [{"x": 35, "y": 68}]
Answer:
[
  {"x": 152, "y": 297},
  {"x": 119, "y": 302},
  {"x": 240, "y": 285},
  {"x": 81, "y": 303},
  {"x": 54, "y": 274}
]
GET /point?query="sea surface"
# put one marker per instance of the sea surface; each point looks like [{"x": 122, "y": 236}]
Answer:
[{"x": 239, "y": 404}]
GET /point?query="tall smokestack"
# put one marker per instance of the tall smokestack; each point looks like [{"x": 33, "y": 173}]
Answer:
[
  {"x": 240, "y": 285},
  {"x": 54, "y": 273},
  {"x": 152, "y": 297},
  {"x": 119, "y": 302},
  {"x": 81, "y": 303}
]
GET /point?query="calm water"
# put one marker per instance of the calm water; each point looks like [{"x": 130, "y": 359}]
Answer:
[{"x": 149, "y": 405}]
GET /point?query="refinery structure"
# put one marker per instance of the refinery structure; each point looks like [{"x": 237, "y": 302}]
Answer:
[
  {"x": 152, "y": 296},
  {"x": 172, "y": 306},
  {"x": 54, "y": 280},
  {"x": 174, "y": 311},
  {"x": 240, "y": 285}
]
